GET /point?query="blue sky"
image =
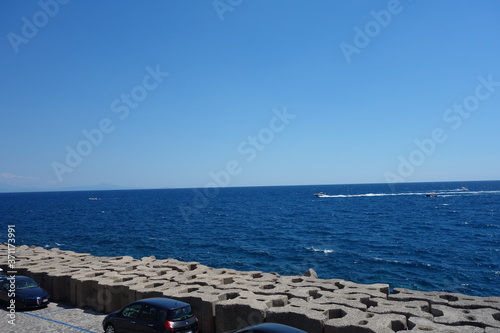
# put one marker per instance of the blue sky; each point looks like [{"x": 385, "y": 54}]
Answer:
[{"x": 247, "y": 93}]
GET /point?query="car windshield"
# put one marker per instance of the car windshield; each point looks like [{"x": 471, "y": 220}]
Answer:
[
  {"x": 25, "y": 284},
  {"x": 181, "y": 313}
]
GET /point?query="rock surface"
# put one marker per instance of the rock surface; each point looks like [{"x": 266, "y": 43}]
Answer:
[{"x": 226, "y": 299}]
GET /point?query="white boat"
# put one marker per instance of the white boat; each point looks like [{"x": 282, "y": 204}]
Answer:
[{"x": 320, "y": 194}]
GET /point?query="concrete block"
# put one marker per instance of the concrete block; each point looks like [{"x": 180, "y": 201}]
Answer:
[
  {"x": 408, "y": 309},
  {"x": 303, "y": 282},
  {"x": 357, "y": 301},
  {"x": 485, "y": 317},
  {"x": 311, "y": 273},
  {"x": 270, "y": 288},
  {"x": 269, "y": 300},
  {"x": 491, "y": 330},
  {"x": 111, "y": 294},
  {"x": 257, "y": 276},
  {"x": 171, "y": 289},
  {"x": 88, "y": 295},
  {"x": 305, "y": 294},
  {"x": 328, "y": 285},
  {"x": 147, "y": 289},
  {"x": 380, "y": 290},
  {"x": 299, "y": 315},
  {"x": 450, "y": 299},
  {"x": 236, "y": 314},
  {"x": 61, "y": 285},
  {"x": 416, "y": 324},
  {"x": 119, "y": 296},
  {"x": 348, "y": 320},
  {"x": 84, "y": 291},
  {"x": 178, "y": 265}
]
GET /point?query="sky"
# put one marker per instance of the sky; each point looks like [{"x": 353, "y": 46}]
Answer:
[{"x": 181, "y": 94}]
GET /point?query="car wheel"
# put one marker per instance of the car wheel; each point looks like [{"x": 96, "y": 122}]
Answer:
[{"x": 110, "y": 329}]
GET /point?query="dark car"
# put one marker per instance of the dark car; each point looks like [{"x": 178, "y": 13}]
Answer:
[
  {"x": 150, "y": 315},
  {"x": 24, "y": 291},
  {"x": 270, "y": 328}
]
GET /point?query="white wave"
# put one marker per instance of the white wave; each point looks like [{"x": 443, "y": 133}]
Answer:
[{"x": 325, "y": 251}]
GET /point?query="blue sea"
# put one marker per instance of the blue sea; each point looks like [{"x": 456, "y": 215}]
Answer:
[{"x": 362, "y": 233}]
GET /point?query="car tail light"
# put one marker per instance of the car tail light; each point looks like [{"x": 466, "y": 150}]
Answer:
[{"x": 169, "y": 325}]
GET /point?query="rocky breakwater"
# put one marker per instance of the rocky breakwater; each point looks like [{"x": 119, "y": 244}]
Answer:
[{"x": 226, "y": 299}]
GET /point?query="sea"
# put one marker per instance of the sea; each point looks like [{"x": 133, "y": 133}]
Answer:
[{"x": 365, "y": 233}]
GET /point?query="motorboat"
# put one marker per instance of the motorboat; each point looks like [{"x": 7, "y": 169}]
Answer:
[
  {"x": 431, "y": 195},
  {"x": 320, "y": 194}
]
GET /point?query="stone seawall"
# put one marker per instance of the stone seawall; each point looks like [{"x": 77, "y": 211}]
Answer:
[{"x": 226, "y": 299}]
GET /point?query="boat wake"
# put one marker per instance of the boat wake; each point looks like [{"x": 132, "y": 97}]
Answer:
[{"x": 439, "y": 193}]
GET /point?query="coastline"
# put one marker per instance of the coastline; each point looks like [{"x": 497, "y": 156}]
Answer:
[{"x": 226, "y": 299}]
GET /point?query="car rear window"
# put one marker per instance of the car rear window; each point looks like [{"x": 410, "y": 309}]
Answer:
[{"x": 180, "y": 314}]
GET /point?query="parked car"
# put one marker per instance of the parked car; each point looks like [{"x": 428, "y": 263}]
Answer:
[
  {"x": 150, "y": 315},
  {"x": 26, "y": 293},
  {"x": 270, "y": 328}
]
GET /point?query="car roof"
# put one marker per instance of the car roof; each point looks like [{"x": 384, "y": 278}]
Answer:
[
  {"x": 17, "y": 277},
  {"x": 273, "y": 327},
  {"x": 163, "y": 302}
]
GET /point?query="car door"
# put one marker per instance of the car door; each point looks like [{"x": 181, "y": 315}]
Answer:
[
  {"x": 149, "y": 319},
  {"x": 127, "y": 320}
]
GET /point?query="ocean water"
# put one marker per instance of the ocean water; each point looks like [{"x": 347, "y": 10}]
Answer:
[{"x": 361, "y": 233}]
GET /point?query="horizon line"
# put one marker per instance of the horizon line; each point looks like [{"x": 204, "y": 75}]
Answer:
[{"x": 123, "y": 188}]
